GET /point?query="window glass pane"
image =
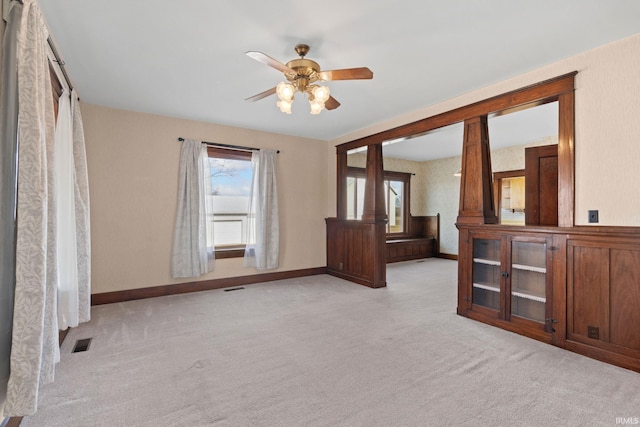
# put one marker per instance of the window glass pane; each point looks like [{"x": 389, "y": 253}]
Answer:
[
  {"x": 360, "y": 199},
  {"x": 230, "y": 185},
  {"x": 351, "y": 197},
  {"x": 395, "y": 206}
]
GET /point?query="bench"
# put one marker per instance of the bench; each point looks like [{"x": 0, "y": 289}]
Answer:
[{"x": 422, "y": 240}]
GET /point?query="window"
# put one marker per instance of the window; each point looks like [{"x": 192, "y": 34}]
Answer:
[
  {"x": 231, "y": 176},
  {"x": 396, "y": 197}
]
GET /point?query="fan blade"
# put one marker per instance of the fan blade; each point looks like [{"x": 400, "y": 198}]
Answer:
[
  {"x": 273, "y": 63},
  {"x": 261, "y": 95},
  {"x": 346, "y": 74},
  {"x": 331, "y": 103}
]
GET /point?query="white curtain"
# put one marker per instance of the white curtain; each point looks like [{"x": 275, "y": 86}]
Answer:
[
  {"x": 83, "y": 223},
  {"x": 34, "y": 347},
  {"x": 193, "y": 250},
  {"x": 263, "y": 233},
  {"x": 66, "y": 216},
  {"x": 72, "y": 215}
]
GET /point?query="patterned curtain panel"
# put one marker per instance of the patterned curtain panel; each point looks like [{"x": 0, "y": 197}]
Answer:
[
  {"x": 8, "y": 189},
  {"x": 34, "y": 349},
  {"x": 263, "y": 232},
  {"x": 190, "y": 256}
]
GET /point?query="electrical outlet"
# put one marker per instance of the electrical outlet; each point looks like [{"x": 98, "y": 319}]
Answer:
[
  {"x": 593, "y": 216},
  {"x": 593, "y": 332}
]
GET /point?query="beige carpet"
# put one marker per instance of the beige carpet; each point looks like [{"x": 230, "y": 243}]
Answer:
[{"x": 320, "y": 351}]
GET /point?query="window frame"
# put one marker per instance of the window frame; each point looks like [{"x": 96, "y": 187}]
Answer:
[
  {"x": 405, "y": 178},
  {"x": 228, "y": 251}
]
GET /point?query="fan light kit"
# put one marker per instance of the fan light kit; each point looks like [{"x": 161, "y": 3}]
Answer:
[{"x": 301, "y": 74}]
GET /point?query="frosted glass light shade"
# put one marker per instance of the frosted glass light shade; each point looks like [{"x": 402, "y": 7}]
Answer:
[
  {"x": 320, "y": 93},
  {"x": 285, "y": 91},
  {"x": 285, "y": 106},
  {"x": 316, "y": 106}
]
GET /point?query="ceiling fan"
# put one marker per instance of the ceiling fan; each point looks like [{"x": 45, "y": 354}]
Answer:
[{"x": 301, "y": 75}]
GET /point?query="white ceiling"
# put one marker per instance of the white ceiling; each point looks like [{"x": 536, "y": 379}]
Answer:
[{"x": 186, "y": 59}]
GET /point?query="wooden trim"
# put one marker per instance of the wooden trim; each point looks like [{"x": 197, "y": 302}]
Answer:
[
  {"x": 604, "y": 231},
  {"x": 205, "y": 285},
  {"x": 62, "y": 335},
  {"x": 566, "y": 159},
  {"x": 497, "y": 188},
  {"x": 546, "y": 91},
  {"x": 226, "y": 153},
  {"x": 229, "y": 253},
  {"x": 14, "y": 422},
  {"x": 351, "y": 278},
  {"x": 447, "y": 256},
  {"x": 603, "y": 355},
  {"x": 508, "y": 174}
]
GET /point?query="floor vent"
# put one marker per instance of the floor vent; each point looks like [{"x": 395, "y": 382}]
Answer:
[
  {"x": 420, "y": 261},
  {"x": 82, "y": 345},
  {"x": 233, "y": 289}
]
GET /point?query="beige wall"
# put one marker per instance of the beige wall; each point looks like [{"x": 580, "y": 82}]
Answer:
[
  {"x": 607, "y": 129},
  {"x": 133, "y": 176}
]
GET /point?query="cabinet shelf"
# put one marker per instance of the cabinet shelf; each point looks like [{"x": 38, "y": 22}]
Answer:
[
  {"x": 528, "y": 268},
  {"x": 487, "y": 287},
  {"x": 486, "y": 261},
  {"x": 528, "y": 295}
]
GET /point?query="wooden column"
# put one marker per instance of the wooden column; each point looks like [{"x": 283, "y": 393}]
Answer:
[
  {"x": 476, "y": 189},
  {"x": 374, "y": 213},
  {"x": 566, "y": 156}
]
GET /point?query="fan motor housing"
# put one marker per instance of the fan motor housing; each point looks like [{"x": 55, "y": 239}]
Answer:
[{"x": 304, "y": 67}]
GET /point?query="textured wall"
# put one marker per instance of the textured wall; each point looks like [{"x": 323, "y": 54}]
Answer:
[
  {"x": 443, "y": 189},
  {"x": 133, "y": 179}
]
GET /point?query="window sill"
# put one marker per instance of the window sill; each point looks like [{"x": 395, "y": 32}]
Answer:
[
  {"x": 398, "y": 236},
  {"x": 234, "y": 252}
]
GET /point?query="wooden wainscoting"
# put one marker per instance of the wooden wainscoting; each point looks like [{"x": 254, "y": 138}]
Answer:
[
  {"x": 422, "y": 241},
  {"x": 353, "y": 251},
  {"x": 603, "y": 297}
]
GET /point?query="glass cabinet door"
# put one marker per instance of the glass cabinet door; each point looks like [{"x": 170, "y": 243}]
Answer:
[
  {"x": 486, "y": 273},
  {"x": 528, "y": 280}
]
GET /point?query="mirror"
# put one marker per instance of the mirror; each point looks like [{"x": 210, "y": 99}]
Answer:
[
  {"x": 356, "y": 161},
  {"x": 432, "y": 158},
  {"x": 517, "y": 138}
]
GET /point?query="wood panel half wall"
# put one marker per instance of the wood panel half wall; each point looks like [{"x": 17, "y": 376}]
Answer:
[{"x": 205, "y": 285}]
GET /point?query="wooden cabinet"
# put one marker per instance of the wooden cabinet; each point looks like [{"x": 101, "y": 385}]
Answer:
[
  {"x": 574, "y": 287},
  {"x": 511, "y": 282},
  {"x": 603, "y": 297}
]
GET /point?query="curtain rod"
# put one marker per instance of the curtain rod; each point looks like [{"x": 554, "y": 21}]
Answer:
[
  {"x": 236, "y": 147},
  {"x": 60, "y": 62}
]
